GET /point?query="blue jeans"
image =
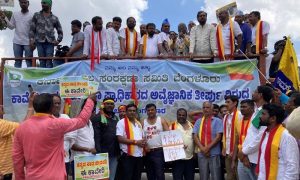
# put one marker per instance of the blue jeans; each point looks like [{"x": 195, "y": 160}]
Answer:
[
  {"x": 245, "y": 173},
  {"x": 113, "y": 162},
  {"x": 19, "y": 51},
  {"x": 45, "y": 49},
  {"x": 209, "y": 165},
  {"x": 155, "y": 165},
  {"x": 183, "y": 169}
]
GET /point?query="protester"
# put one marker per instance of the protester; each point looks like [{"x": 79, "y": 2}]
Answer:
[
  {"x": 20, "y": 21},
  {"x": 86, "y": 23},
  {"x": 109, "y": 25},
  {"x": 69, "y": 138},
  {"x": 207, "y": 137},
  {"x": 190, "y": 26},
  {"x": 95, "y": 40},
  {"x": 130, "y": 39},
  {"x": 223, "y": 110},
  {"x": 130, "y": 137},
  {"x": 122, "y": 111},
  {"x": 76, "y": 49},
  {"x": 7, "y": 130},
  {"x": 182, "y": 43},
  {"x": 154, "y": 160},
  {"x": 227, "y": 32},
  {"x": 229, "y": 138},
  {"x": 279, "y": 47},
  {"x": 203, "y": 39},
  {"x": 184, "y": 168},
  {"x": 260, "y": 39},
  {"x": 249, "y": 154},
  {"x": 151, "y": 45},
  {"x": 247, "y": 33},
  {"x": 247, "y": 110},
  {"x": 42, "y": 33},
  {"x": 164, "y": 37},
  {"x": 105, "y": 134},
  {"x": 40, "y": 139},
  {"x": 114, "y": 38},
  {"x": 143, "y": 29},
  {"x": 278, "y": 156}
]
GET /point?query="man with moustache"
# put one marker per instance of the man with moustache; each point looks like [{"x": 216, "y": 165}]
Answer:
[
  {"x": 150, "y": 45},
  {"x": 42, "y": 33},
  {"x": 114, "y": 38},
  {"x": 164, "y": 37},
  {"x": 184, "y": 168},
  {"x": 203, "y": 39},
  {"x": 130, "y": 38},
  {"x": 278, "y": 156},
  {"x": 207, "y": 137},
  {"x": 106, "y": 141},
  {"x": 143, "y": 29}
]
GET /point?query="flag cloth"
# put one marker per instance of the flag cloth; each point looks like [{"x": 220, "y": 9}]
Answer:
[
  {"x": 133, "y": 92},
  {"x": 288, "y": 74},
  {"x": 67, "y": 106}
]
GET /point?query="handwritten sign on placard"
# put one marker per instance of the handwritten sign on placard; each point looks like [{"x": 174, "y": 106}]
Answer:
[
  {"x": 76, "y": 87},
  {"x": 91, "y": 166},
  {"x": 172, "y": 143}
]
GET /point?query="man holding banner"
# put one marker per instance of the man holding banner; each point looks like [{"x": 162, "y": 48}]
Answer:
[
  {"x": 130, "y": 137},
  {"x": 207, "y": 137},
  {"x": 184, "y": 168}
]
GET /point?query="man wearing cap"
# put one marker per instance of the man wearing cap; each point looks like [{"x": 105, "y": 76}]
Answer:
[
  {"x": 164, "y": 37},
  {"x": 42, "y": 33},
  {"x": 247, "y": 33},
  {"x": 106, "y": 141}
]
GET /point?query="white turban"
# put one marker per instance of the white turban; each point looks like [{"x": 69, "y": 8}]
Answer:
[{"x": 293, "y": 123}]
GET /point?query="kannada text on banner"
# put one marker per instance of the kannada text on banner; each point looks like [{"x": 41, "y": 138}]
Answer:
[
  {"x": 168, "y": 84},
  {"x": 91, "y": 166}
]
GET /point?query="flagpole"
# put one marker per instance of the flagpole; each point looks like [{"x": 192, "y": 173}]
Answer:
[{"x": 255, "y": 66}]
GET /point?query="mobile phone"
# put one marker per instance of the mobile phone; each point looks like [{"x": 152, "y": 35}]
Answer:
[{"x": 30, "y": 88}]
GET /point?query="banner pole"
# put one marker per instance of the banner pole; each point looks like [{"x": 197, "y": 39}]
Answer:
[{"x": 255, "y": 66}]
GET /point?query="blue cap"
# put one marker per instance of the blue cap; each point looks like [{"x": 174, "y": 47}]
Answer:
[
  {"x": 239, "y": 13},
  {"x": 165, "y": 21}
]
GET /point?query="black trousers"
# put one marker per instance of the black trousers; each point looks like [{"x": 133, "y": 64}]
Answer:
[
  {"x": 131, "y": 167},
  {"x": 7, "y": 177}
]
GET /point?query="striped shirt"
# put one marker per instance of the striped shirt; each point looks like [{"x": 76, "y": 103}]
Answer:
[{"x": 7, "y": 130}]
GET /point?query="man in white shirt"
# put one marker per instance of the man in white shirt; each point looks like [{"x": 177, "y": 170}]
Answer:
[
  {"x": 130, "y": 38},
  {"x": 254, "y": 20},
  {"x": 154, "y": 160},
  {"x": 229, "y": 136},
  {"x": 95, "y": 36},
  {"x": 20, "y": 21},
  {"x": 278, "y": 151},
  {"x": 226, "y": 40},
  {"x": 203, "y": 39},
  {"x": 130, "y": 137},
  {"x": 114, "y": 38},
  {"x": 249, "y": 154},
  {"x": 150, "y": 45},
  {"x": 164, "y": 37}
]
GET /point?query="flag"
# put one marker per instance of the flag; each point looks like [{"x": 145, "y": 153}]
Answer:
[
  {"x": 287, "y": 77},
  {"x": 67, "y": 106},
  {"x": 133, "y": 92}
]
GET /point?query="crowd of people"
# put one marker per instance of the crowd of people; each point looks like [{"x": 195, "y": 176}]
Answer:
[
  {"x": 246, "y": 34},
  {"x": 243, "y": 139}
]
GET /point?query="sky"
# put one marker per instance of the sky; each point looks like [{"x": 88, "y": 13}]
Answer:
[{"x": 177, "y": 11}]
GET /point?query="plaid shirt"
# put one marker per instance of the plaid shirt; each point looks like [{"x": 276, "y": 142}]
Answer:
[{"x": 42, "y": 28}]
